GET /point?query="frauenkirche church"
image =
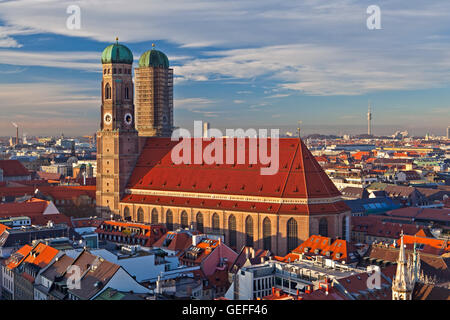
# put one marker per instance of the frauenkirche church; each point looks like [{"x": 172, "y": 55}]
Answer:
[{"x": 138, "y": 181}]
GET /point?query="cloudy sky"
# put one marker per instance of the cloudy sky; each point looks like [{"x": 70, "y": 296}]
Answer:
[{"x": 243, "y": 63}]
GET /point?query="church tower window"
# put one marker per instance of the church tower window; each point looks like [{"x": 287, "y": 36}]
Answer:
[{"x": 107, "y": 91}]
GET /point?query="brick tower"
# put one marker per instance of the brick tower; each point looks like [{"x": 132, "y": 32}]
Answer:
[
  {"x": 117, "y": 139},
  {"x": 154, "y": 95}
]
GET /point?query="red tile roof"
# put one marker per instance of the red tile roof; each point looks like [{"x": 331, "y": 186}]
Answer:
[
  {"x": 14, "y": 209},
  {"x": 150, "y": 233},
  {"x": 196, "y": 254},
  {"x": 440, "y": 246},
  {"x": 17, "y": 257},
  {"x": 3, "y": 228},
  {"x": 175, "y": 241},
  {"x": 56, "y": 192},
  {"x": 338, "y": 249},
  {"x": 375, "y": 226},
  {"x": 34, "y": 209},
  {"x": 299, "y": 176},
  {"x": 86, "y": 222},
  {"x": 41, "y": 255},
  {"x": 421, "y": 213},
  {"x": 13, "y": 168},
  {"x": 357, "y": 285}
]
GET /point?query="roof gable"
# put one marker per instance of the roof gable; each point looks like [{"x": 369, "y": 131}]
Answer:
[{"x": 13, "y": 168}]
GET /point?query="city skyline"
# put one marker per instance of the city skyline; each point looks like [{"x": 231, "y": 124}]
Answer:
[{"x": 322, "y": 73}]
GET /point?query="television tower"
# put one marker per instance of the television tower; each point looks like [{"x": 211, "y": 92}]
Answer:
[{"x": 369, "y": 121}]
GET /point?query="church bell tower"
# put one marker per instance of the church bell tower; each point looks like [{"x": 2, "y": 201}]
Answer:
[{"x": 117, "y": 139}]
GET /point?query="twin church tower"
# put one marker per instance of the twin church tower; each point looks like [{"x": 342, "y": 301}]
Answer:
[{"x": 129, "y": 116}]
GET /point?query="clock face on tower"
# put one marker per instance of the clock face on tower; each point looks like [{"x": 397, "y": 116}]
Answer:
[
  {"x": 107, "y": 118},
  {"x": 128, "y": 118}
]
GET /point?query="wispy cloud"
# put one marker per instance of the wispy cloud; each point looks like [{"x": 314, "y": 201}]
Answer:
[
  {"x": 279, "y": 95},
  {"x": 88, "y": 61},
  {"x": 193, "y": 103},
  {"x": 50, "y": 106},
  {"x": 327, "y": 70}
]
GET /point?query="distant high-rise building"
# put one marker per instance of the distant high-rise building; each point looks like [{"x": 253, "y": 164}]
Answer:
[
  {"x": 205, "y": 129},
  {"x": 154, "y": 95},
  {"x": 448, "y": 132},
  {"x": 369, "y": 121}
]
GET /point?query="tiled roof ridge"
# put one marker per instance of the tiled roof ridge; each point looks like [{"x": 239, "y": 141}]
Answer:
[
  {"x": 287, "y": 176},
  {"x": 422, "y": 254},
  {"x": 300, "y": 146}
]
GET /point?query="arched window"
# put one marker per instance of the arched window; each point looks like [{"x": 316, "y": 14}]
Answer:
[
  {"x": 169, "y": 220},
  {"x": 215, "y": 222},
  {"x": 199, "y": 220},
  {"x": 344, "y": 228},
  {"x": 184, "y": 220},
  {"x": 292, "y": 239},
  {"x": 140, "y": 215},
  {"x": 154, "y": 216},
  {"x": 249, "y": 231},
  {"x": 107, "y": 91},
  {"x": 126, "y": 214},
  {"x": 127, "y": 93},
  {"x": 267, "y": 234},
  {"x": 323, "y": 227},
  {"x": 232, "y": 230}
]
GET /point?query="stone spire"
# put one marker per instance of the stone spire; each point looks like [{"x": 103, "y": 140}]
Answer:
[
  {"x": 415, "y": 266},
  {"x": 402, "y": 285}
]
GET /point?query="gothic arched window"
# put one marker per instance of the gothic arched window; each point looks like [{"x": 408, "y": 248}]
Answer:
[
  {"x": 126, "y": 214},
  {"x": 140, "y": 215},
  {"x": 267, "y": 234},
  {"x": 249, "y": 231},
  {"x": 199, "y": 220},
  {"x": 169, "y": 220},
  {"x": 292, "y": 241},
  {"x": 323, "y": 227},
  {"x": 184, "y": 219},
  {"x": 232, "y": 230},
  {"x": 107, "y": 91},
  {"x": 215, "y": 222},
  {"x": 127, "y": 93},
  {"x": 154, "y": 216}
]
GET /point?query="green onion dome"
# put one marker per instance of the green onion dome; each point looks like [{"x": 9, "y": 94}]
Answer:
[
  {"x": 117, "y": 53},
  {"x": 153, "y": 58}
]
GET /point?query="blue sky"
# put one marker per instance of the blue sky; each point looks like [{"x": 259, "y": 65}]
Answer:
[{"x": 262, "y": 64}]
